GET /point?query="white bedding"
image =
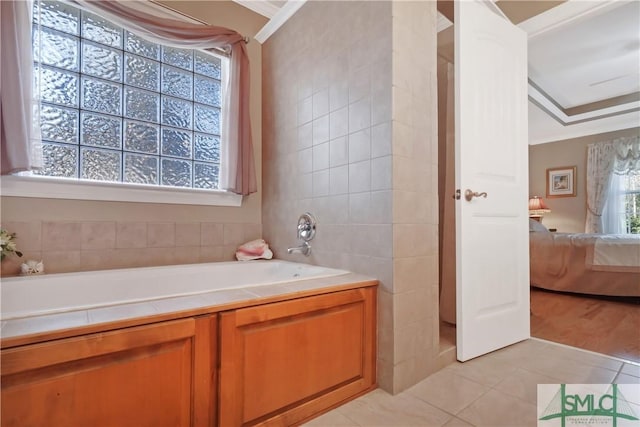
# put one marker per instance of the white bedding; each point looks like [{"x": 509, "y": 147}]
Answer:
[{"x": 617, "y": 252}]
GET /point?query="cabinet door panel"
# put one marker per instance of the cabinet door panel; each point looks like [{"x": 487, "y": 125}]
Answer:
[
  {"x": 286, "y": 361},
  {"x": 141, "y": 376}
]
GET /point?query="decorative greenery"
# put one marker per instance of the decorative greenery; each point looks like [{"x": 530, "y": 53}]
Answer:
[{"x": 7, "y": 243}]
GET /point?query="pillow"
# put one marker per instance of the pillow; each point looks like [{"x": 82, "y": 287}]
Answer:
[{"x": 537, "y": 226}]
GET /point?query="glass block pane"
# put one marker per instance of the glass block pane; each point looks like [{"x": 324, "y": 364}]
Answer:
[
  {"x": 101, "y": 96},
  {"x": 100, "y": 165},
  {"x": 58, "y": 87},
  {"x": 140, "y": 169},
  {"x": 59, "y": 124},
  {"x": 176, "y": 173},
  {"x": 57, "y": 49},
  {"x": 141, "y": 105},
  {"x": 100, "y": 30},
  {"x": 142, "y": 137},
  {"x": 176, "y": 113},
  {"x": 176, "y": 143},
  {"x": 207, "y": 119},
  {"x": 208, "y": 65},
  {"x": 142, "y": 72},
  {"x": 59, "y": 160},
  {"x": 101, "y": 61},
  {"x": 100, "y": 131},
  {"x": 207, "y": 91},
  {"x": 176, "y": 82},
  {"x": 206, "y": 147},
  {"x": 141, "y": 47},
  {"x": 56, "y": 14},
  {"x": 205, "y": 175},
  {"x": 181, "y": 58}
]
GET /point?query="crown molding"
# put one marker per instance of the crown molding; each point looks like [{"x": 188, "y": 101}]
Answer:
[
  {"x": 261, "y": 7},
  {"x": 278, "y": 20},
  {"x": 571, "y": 10}
]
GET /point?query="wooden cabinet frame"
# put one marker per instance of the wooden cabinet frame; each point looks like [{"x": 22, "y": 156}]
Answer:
[
  {"x": 124, "y": 377},
  {"x": 273, "y": 373}
]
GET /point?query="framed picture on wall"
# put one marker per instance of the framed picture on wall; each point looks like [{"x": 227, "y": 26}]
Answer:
[{"x": 561, "y": 182}]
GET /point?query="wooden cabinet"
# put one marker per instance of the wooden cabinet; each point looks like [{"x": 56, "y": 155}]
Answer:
[
  {"x": 279, "y": 363},
  {"x": 156, "y": 375},
  {"x": 285, "y": 362}
]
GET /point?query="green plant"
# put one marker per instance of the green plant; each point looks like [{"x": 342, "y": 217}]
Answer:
[{"x": 7, "y": 243}]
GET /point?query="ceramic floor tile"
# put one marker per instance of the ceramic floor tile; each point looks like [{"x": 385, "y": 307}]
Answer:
[
  {"x": 499, "y": 409},
  {"x": 332, "y": 419},
  {"x": 626, "y": 379},
  {"x": 447, "y": 390},
  {"x": 567, "y": 371},
  {"x": 584, "y": 357},
  {"x": 487, "y": 370},
  {"x": 379, "y": 408},
  {"x": 513, "y": 354},
  {"x": 631, "y": 369},
  {"x": 524, "y": 384},
  {"x": 457, "y": 422}
]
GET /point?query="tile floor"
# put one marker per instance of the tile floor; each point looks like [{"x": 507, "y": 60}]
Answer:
[{"x": 498, "y": 389}]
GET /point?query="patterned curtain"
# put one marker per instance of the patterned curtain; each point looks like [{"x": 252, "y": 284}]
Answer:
[{"x": 620, "y": 156}]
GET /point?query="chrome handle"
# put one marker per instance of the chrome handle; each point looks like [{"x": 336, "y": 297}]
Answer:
[
  {"x": 468, "y": 194},
  {"x": 306, "y": 227}
]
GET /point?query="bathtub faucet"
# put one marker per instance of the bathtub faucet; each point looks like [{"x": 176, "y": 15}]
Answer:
[
  {"x": 306, "y": 231},
  {"x": 304, "y": 249}
]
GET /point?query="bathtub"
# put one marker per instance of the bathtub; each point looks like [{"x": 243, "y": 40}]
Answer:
[{"x": 55, "y": 293}]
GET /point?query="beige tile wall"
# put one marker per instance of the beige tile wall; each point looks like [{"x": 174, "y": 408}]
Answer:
[
  {"x": 67, "y": 246},
  {"x": 347, "y": 131},
  {"x": 415, "y": 193}
]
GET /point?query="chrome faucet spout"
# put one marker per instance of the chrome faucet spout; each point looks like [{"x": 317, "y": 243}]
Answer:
[{"x": 304, "y": 249}]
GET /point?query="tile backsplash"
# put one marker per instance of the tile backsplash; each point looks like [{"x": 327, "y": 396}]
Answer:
[{"x": 67, "y": 246}]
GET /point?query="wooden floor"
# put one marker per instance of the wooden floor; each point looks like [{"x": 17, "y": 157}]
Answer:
[{"x": 607, "y": 326}]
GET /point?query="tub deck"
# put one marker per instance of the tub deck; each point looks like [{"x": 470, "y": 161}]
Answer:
[{"x": 73, "y": 321}]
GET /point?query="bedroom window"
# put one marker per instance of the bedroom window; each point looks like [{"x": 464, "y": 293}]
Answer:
[
  {"x": 117, "y": 108},
  {"x": 631, "y": 196},
  {"x": 621, "y": 214}
]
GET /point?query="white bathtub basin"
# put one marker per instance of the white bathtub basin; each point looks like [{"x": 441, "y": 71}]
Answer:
[{"x": 53, "y": 293}]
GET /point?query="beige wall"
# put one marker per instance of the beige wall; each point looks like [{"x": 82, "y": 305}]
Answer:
[
  {"x": 568, "y": 214},
  {"x": 349, "y": 105},
  {"x": 35, "y": 216}
]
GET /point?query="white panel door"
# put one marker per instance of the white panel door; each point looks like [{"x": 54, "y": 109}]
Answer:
[{"x": 492, "y": 235}]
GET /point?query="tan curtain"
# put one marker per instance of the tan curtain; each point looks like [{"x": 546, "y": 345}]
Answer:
[{"x": 20, "y": 131}]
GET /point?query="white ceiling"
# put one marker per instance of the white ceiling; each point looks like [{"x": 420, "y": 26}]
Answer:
[
  {"x": 589, "y": 59},
  {"x": 580, "y": 53}
]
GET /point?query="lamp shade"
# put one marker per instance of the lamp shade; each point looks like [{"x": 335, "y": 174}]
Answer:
[{"x": 537, "y": 206}]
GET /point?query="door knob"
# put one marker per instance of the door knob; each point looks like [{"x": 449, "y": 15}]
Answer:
[{"x": 468, "y": 194}]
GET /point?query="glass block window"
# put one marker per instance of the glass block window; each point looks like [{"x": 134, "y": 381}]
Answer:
[{"x": 116, "y": 107}]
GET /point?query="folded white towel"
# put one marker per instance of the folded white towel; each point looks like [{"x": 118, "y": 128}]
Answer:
[{"x": 255, "y": 249}]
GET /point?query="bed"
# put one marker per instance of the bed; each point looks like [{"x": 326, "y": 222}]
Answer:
[{"x": 596, "y": 264}]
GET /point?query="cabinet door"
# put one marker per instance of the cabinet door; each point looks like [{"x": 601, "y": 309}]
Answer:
[
  {"x": 155, "y": 375},
  {"x": 282, "y": 363}
]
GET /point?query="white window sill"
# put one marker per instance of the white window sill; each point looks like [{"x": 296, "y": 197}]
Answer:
[{"x": 48, "y": 188}]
